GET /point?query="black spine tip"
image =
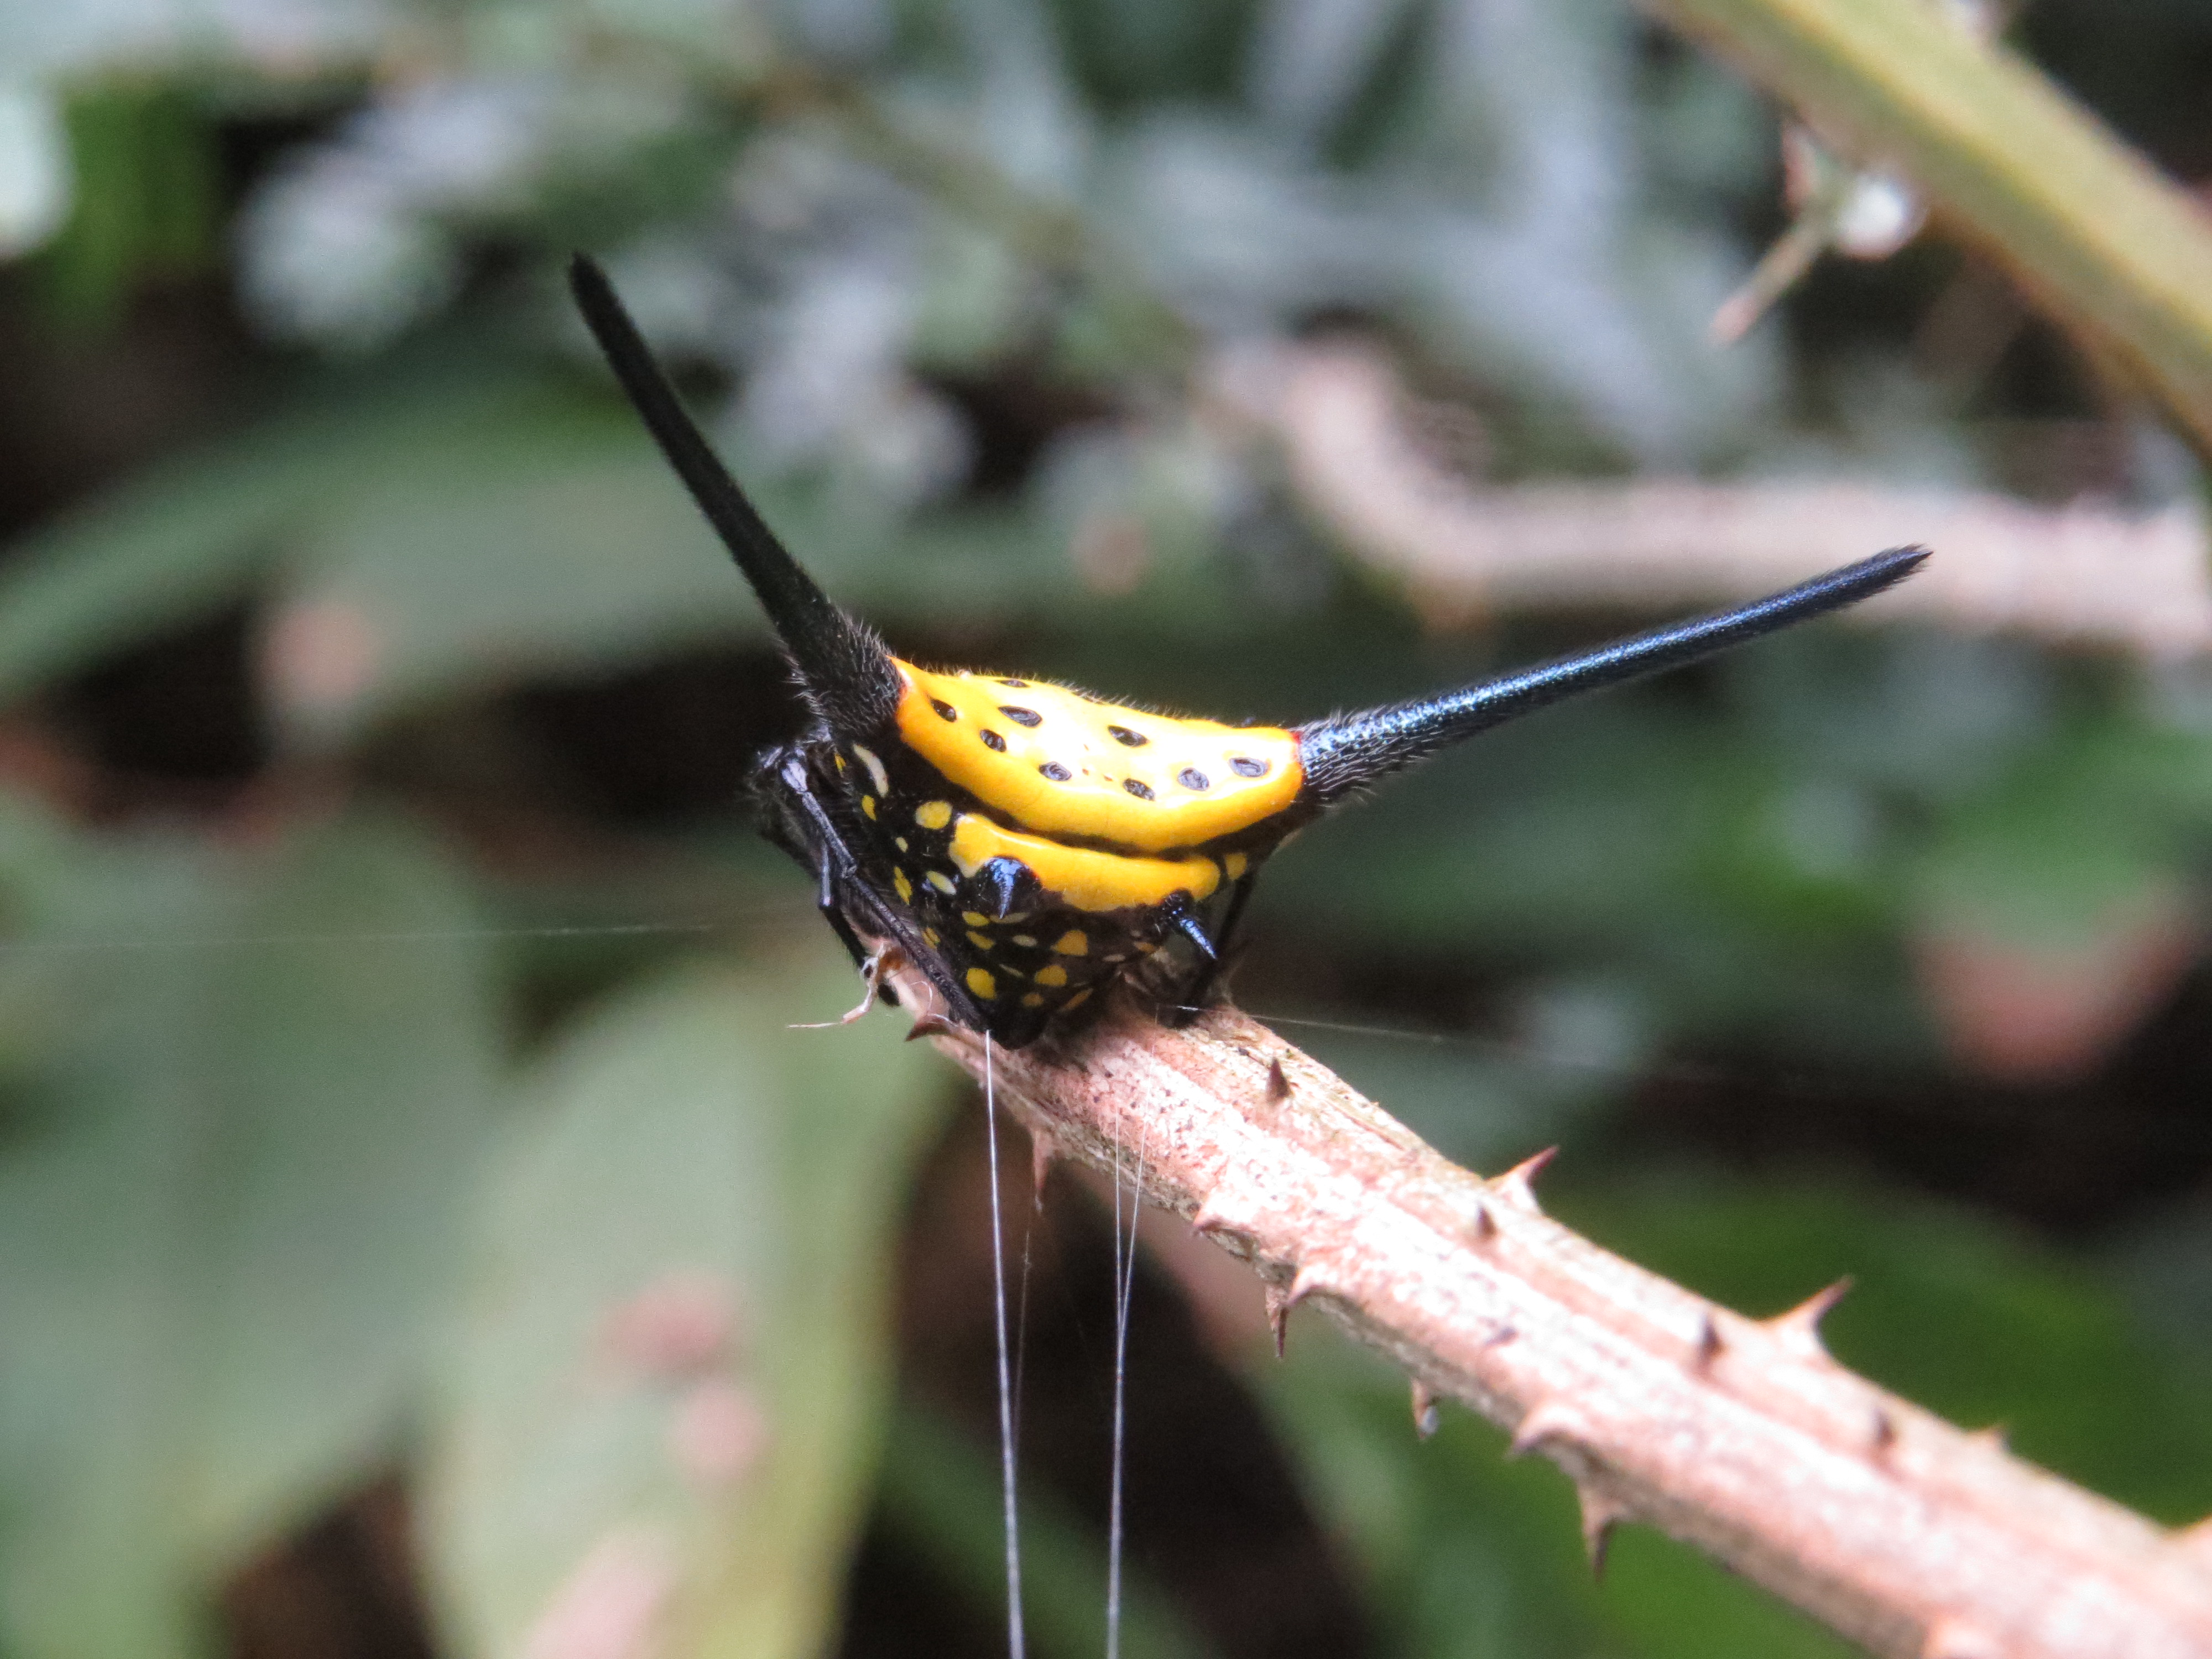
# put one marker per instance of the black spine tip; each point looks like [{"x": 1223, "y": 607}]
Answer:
[
  {"x": 844, "y": 666},
  {"x": 1344, "y": 752}
]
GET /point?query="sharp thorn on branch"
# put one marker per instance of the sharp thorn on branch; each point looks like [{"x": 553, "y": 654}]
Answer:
[
  {"x": 1600, "y": 1514},
  {"x": 1799, "y": 1329},
  {"x": 1209, "y": 1219},
  {"x": 927, "y": 1025},
  {"x": 1278, "y": 1316},
  {"x": 1279, "y": 1080},
  {"x": 1709, "y": 1339},
  {"x": 1549, "y": 1419},
  {"x": 1882, "y": 1433},
  {"x": 1989, "y": 1438},
  {"x": 1311, "y": 1276},
  {"x": 1517, "y": 1186},
  {"x": 1426, "y": 1414}
]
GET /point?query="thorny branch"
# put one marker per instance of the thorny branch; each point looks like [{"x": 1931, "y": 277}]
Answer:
[{"x": 1739, "y": 1436}]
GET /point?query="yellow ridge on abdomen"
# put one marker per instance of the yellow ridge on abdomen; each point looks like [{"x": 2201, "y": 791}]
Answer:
[
  {"x": 1082, "y": 878},
  {"x": 1058, "y": 763}
]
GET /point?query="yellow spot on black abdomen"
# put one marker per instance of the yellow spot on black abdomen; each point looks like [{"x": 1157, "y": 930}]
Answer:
[
  {"x": 980, "y": 982},
  {"x": 933, "y": 814},
  {"x": 1053, "y": 974},
  {"x": 1073, "y": 942}
]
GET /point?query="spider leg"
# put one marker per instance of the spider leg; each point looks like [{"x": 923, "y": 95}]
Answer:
[
  {"x": 834, "y": 913},
  {"x": 1199, "y": 987},
  {"x": 834, "y": 860}
]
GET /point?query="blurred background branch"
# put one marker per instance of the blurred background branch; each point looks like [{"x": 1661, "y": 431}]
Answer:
[{"x": 2089, "y": 572}]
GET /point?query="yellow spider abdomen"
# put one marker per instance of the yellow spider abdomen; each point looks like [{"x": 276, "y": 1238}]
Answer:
[{"x": 1057, "y": 762}]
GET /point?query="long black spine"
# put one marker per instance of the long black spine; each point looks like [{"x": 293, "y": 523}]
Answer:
[
  {"x": 1344, "y": 752},
  {"x": 843, "y": 664}
]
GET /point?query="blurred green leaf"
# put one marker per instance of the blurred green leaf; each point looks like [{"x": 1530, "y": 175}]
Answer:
[
  {"x": 146, "y": 201},
  {"x": 229, "y": 1191},
  {"x": 189, "y": 535},
  {"x": 664, "y": 1404},
  {"x": 2084, "y": 825}
]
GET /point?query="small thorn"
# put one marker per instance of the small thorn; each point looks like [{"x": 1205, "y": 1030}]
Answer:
[
  {"x": 1549, "y": 1419},
  {"x": 1517, "y": 1186},
  {"x": 1278, "y": 1316},
  {"x": 1709, "y": 1339},
  {"x": 1601, "y": 1514},
  {"x": 1278, "y": 1082},
  {"x": 1991, "y": 1438},
  {"x": 1954, "y": 1638},
  {"x": 1310, "y": 1277},
  {"x": 1207, "y": 1219},
  {"x": 1800, "y": 1328},
  {"x": 928, "y": 1025},
  {"x": 1882, "y": 1434},
  {"x": 1426, "y": 1413}
]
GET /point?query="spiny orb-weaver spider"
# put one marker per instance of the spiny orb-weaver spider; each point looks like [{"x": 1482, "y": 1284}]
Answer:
[{"x": 1025, "y": 844}]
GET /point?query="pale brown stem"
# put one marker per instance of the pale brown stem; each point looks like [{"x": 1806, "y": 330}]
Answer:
[
  {"x": 2088, "y": 573},
  {"x": 1740, "y": 1436}
]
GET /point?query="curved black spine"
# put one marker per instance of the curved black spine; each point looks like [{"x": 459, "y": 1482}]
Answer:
[
  {"x": 1344, "y": 752},
  {"x": 842, "y": 663}
]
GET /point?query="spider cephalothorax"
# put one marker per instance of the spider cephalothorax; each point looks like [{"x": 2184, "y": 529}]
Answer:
[{"x": 1024, "y": 844}]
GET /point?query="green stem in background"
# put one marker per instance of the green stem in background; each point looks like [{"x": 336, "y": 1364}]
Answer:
[{"x": 2104, "y": 243}]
